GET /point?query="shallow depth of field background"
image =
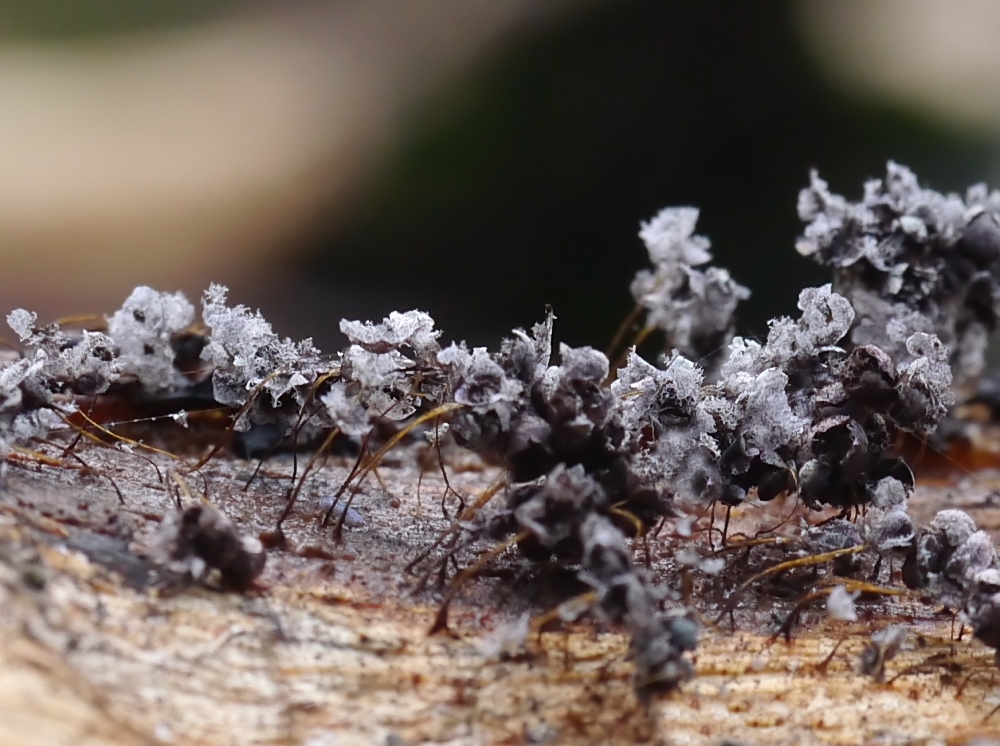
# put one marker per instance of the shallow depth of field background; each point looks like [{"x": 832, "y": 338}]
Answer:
[{"x": 477, "y": 159}]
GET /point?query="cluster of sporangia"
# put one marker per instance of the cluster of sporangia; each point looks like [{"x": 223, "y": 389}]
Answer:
[
  {"x": 911, "y": 260},
  {"x": 811, "y": 411}
]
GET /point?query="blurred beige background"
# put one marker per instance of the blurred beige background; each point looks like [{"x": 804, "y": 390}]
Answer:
[
  {"x": 174, "y": 157},
  {"x": 199, "y": 151},
  {"x": 940, "y": 57}
]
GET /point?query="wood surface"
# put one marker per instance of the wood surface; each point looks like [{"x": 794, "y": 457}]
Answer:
[{"x": 332, "y": 647}]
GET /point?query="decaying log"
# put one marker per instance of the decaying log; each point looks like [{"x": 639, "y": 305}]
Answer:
[{"x": 332, "y": 646}]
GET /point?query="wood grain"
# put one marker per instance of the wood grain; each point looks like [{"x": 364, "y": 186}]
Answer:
[{"x": 333, "y": 647}]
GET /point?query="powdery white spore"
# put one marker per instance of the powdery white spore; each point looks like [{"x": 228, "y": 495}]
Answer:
[
  {"x": 22, "y": 322},
  {"x": 840, "y": 605},
  {"x": 142, "y": 330}
]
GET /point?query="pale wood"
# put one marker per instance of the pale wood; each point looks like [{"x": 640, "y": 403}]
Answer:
[{"x": 334, "y": 651}]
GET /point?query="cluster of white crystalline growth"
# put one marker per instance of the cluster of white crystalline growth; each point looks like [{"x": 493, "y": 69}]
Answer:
[
  {"x": 672, "y": 404},
  {"x": 18, "y": 422},
  {"x": 375, "y": 369},
  {"x": 750, "y": 401},
  {"x": 693, "y": 307},
  {"x": 87, "y": 364},
  {"x": 825, "y": 320},
  {"x": 910, "y": 260},
  {"x": 247, "y": 354},
  {"x": 143, "y": 329},
  {"x": 899, "y": 200},
  {"x": 795, "y": 404},
  {"x": 248, "y": 363},
  {"x": 51, "y": 362},
  {"x": 373, "y": 378}
]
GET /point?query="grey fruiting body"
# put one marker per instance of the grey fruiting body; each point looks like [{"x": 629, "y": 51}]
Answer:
[{"x": 910, "y": 260}]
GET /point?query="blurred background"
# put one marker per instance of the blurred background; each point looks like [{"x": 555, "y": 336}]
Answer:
[{"x": 477, "y": 159}]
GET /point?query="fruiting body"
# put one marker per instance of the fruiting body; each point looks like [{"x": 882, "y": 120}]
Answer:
[{"x": 202, "y": 538}]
